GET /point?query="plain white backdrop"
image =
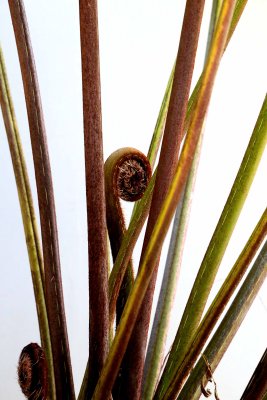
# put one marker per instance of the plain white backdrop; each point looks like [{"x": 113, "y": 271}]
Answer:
[{"x": 138, "y": 42}]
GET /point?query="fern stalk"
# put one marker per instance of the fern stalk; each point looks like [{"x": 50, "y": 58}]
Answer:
[
  {"x": 52, "y": 271},
  {"x": 28, "y": 218},
  {"x": 227, "y": 328}
]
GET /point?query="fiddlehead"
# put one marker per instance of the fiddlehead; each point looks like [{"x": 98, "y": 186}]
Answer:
[
  {"x": 32, "y": 372},
  {"x": 127, "y": 173}
]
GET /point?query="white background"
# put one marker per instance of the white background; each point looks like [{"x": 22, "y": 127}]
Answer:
[{"x": 138, "y": 41}]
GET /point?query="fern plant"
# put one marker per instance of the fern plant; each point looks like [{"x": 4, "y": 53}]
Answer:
[{"x": 123, "y": 360}]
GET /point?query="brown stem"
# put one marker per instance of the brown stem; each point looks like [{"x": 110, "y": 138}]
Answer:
[
  {"x": 167, "y": 163},
  {"x": 95, "y": 194},
  {"x": 32, "y": 372},
  {"x": 257, "y": 386},
  {"x": 53, "y": 284}
]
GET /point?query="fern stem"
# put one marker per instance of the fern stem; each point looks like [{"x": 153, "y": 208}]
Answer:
[
  {"x": 28, "y": 218},
  {"x": 52, "y": 272},
  {"x": 227, "y": 328}
]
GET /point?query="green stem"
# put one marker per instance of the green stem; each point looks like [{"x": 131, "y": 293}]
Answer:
[
  {"x": 239, "y": 8},
  {"x": 219, "y": 241},
  {"x": 227, "y": 328},
  {"x": 160, "y": 124},
  {"x": 28, "y": 217},
  {"x": 141, "y": 208},
  {"x": 222, "y": 298},
  {"x": 155, "y": 351}
]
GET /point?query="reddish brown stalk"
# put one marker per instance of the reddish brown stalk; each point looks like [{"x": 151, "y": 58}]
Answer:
[
  {"x": 53, "y": 284},
  {"x": 95, "y": 194},
  {"x": 257, "y": 386},
  {"x": 135, "y": 354}
]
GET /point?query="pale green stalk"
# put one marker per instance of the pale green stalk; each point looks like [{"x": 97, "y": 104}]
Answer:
[
  {"x": 228, "y": 327},
  {"x": 222, "y": 298},
  {"x": 160, "y": 124},
  {"x": 216, "y": 248},
  {"x": 155, "y": 351},
  {"x": 28, "y": 217}
]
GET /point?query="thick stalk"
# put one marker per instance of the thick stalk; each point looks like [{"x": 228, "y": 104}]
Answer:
[
  {"x": 134, "y": 358},
  {"x": 95, "y": 194},
  {"x": 52, "y": 272}
]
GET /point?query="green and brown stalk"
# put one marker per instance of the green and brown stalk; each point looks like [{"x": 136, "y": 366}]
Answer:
[
  {"x": 127, "y": 174},
  {"x": 173, "y": 133},
  {"x": 52, "y": 273},
  {"x": 28, "y": 218}
]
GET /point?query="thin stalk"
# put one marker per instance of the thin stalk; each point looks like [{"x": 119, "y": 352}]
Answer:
[
  {"x": 222, "y": 298},
  {"x": 160, "y": 124},
  {"x": 52, "y": 273},
  {"x": 142, "y": 281},
  {"x": 238, "y": 11},
  {"x": 95, "y": 193},
  {"x": 173, "y": 133},
  {"x": 225, "y": 332},
  {"x": 128, "y": 243},
  {"x": 257, "y": 386},
  {"x": 155, "y": 351},
  {"x": 215, "y": 251},
  {"x": 215, "y": 12},
  {"x": 127, "y": 173},
  {"x": 28, "y": 218},
  {"x": 158, "y": 130},
  {"x": 156, "y": 346}
]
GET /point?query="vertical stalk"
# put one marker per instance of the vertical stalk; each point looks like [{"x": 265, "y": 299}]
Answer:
[
  {"x": 95, "y": 194},
  {"x": 134, "y": 357},
  {"x": 28, "y": 218},
  {"x": 52, "y": 273}
]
